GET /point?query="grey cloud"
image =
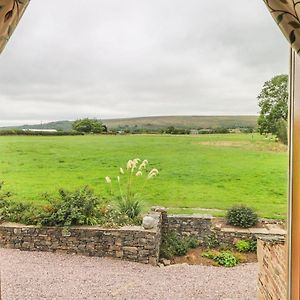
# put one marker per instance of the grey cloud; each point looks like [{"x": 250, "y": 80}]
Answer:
[{"x": 136, "y": 57}]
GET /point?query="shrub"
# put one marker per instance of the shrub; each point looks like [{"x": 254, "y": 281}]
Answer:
[
  {"x": 224, "y": 258},
  {"x": 241, "y": 216},
  {"x": 19, "y": 212},
  {"x": 192, "y": 243},
  {"x": 81, "y": 207},
  {"x": 25, "y": 213},
  {"x": 246, "y": 246},
  {"x": 73, "y": 208},
  {"x": 242, "y": 246},
  {"x": 253, "y": 246},
  {"x": 172, "y": 245},
  {"x": 211, "y": 241}
]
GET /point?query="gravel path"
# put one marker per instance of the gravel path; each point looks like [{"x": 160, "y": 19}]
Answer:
[{"x": 40, "y": 275}]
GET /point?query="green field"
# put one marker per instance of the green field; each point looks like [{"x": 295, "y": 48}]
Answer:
[{"x": 205, "y": 171}]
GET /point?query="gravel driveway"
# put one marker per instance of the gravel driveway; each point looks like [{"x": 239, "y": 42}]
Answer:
[{"x": 40, "y": 275}]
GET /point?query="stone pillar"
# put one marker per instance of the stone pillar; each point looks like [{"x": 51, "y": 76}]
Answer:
[
  {"x": 164, "y": 216},
  {"x": 272, "y": 268}
]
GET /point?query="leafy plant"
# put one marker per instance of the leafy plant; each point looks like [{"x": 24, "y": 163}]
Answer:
[
  {"x": 172, "y": 245},
  {"x": 226, "y": 259},
  {"x": 192, "y": 243},
  {"x": 253, "y": 246},
  {"x": 246, "y": 245},
  {"x": 241, "y": 216},
  {"x": 211, "y": 241},
  {"x": 81, "y": 207},
  {"x": 19, "y": 212},
  {"x": 242, "y": 246},
  {"x": 223, "y": 258},
  {"x": 72, "y": 208}
]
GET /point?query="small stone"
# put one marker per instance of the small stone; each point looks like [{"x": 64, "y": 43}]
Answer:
[
  {"x": 166, "y": 262},
  {"x": 159, "y": 209},
  {"x": 119, "y": 254},
  {"x": 148, "y": 222},
  {"x": 153, "y": 261}
]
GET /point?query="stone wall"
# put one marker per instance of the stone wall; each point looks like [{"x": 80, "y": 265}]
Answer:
[
  {"x": 197, "y": 226},
  {"x": 130, "y": 243},
  {"x": 203, "y": 226},
  {"x": 272, "y": 264}
]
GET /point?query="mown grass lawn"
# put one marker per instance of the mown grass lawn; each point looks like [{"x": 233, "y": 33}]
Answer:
[{"x": 205, "y": 171}]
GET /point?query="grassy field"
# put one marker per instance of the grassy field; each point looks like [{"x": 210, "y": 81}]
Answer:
[{"x": 207, "y": 171}]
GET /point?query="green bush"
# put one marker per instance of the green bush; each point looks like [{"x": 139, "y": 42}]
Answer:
[
  {"x": 226, "y": 259},
  {"x": 172, "y": 245},
  {"x": 211, "y": 241},
  {"x": 192, "y": 243},
  {"x": 242, "y": 246},
  {"x": 223, "y": 258},
  {"x": 81, "y": 207},
  {"x": 246, "y": 246},
  {"x": 25, "y": 213},
  {"x": 16, "y": 211},
  {"x": 241, "y": 216},
  {"x": 72, "y": 208},
  {"x": 253, "y": 246}
]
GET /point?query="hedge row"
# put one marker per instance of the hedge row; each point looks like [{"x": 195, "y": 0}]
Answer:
[{"x": 39, "y": 133}]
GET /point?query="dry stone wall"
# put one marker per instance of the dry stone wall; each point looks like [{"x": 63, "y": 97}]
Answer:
[
  {"x": 203, "y": 226},
  {"x": 197, "y": 226},
  {"x": 272, "y": 266},
  {"x": 131, "y": 243}
]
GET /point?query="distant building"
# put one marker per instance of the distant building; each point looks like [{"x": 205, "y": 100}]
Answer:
[
  {"x": 194, "y": 131},
  {"x": 40, "y": 130}
]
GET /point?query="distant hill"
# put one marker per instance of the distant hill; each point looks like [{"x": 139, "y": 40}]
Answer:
[{"x": 158, "y": 122}]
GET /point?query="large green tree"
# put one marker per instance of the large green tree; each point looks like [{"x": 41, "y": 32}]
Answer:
[
  {"x": 273, "y": 103},
  {"x": 89, "y": 126}
]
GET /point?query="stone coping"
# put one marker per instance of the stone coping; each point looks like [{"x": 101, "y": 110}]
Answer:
[
  {"x": 255, "y": 230},
  {"x": 84, "y": 227},
  {"x": 193, "y": 216},
  {"x": 273, "y": 239}
]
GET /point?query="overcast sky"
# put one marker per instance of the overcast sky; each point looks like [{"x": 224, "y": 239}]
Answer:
[{"x": 114, "y": 58}]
